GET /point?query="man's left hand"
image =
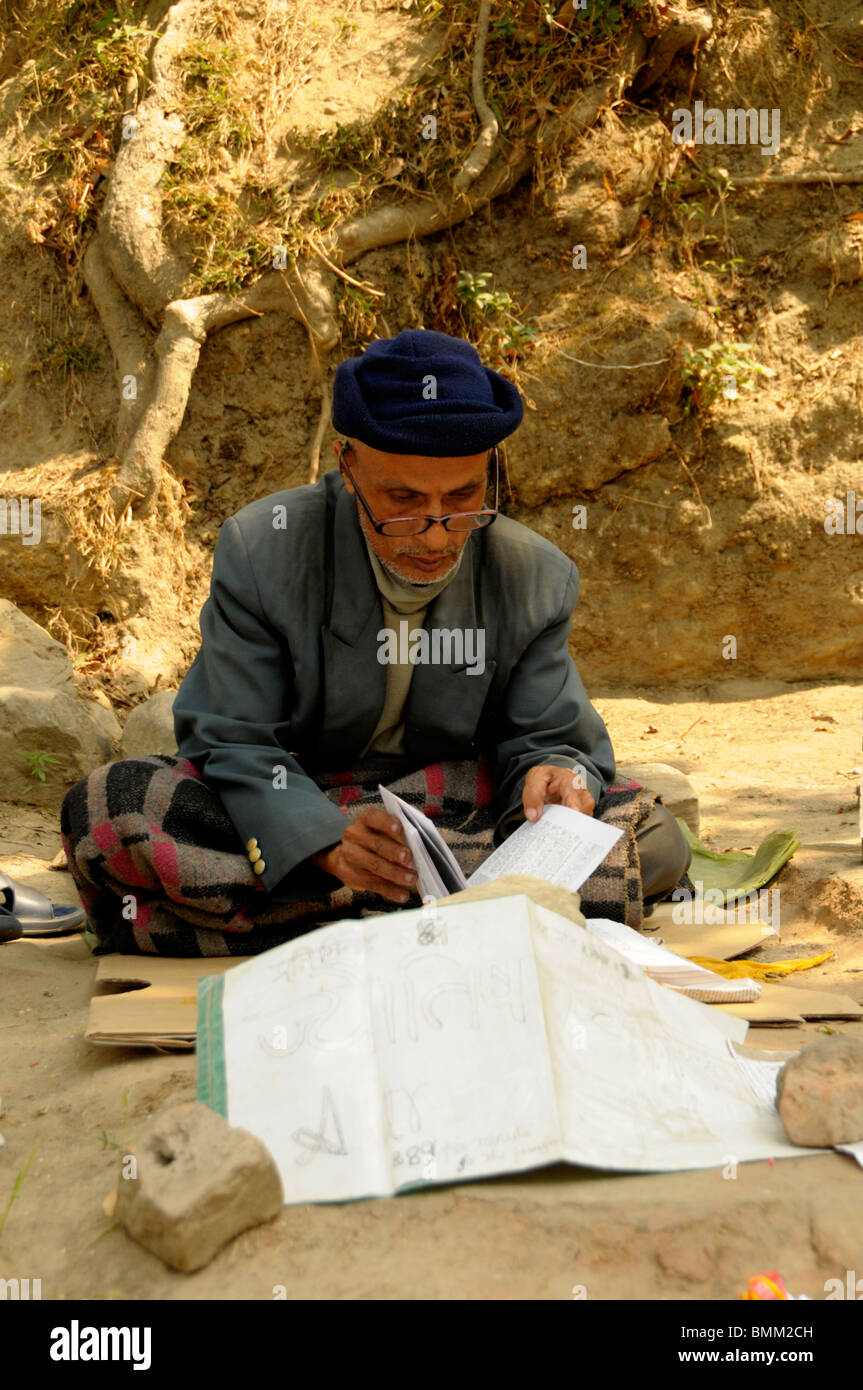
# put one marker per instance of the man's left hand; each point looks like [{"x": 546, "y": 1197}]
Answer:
[{"x": 555, "y": 786}]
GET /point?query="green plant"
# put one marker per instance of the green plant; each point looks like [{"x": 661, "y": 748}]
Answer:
[
  {"x": 517, "y": 336},
  {"x": 37, "y": 762},
  {"x": 211, "y": 108},
  {"x": 470, "y": 289},
  {"x": 358, "y": 311},
  {"x": 16, "y": 1187},
  {"x": 724, "y": 267},
  {"x": 721, "y": 369},
  {"x": 489, "y": 314},
  {"x": 115, "y": 49},
  {"x": 110, "y": 1143},
  {"x": 608, "y": 15}
]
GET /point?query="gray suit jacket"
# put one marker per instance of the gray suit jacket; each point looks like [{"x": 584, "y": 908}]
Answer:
[{"x": 288, "y": 675}]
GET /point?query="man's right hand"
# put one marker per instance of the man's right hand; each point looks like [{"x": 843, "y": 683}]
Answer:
[{"x": 372, "y": 855}]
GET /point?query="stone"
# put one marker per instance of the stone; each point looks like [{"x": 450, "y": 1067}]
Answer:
[
  {"x": 150, "y": 727},
  {"x": 539, "y": 890},
  {"x": 42, "y": 713},
  {"x": 199, "y": 1182},
  {"x": 29, "y": 656},
  {"x": 678, "y": 794},
  {"x": 819, "y": 1093}
]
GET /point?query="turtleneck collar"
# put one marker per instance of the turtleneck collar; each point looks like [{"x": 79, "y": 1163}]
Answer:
[{"x": 406, "y": 598}]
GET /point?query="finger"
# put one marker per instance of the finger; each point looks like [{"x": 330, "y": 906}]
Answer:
[
  {"x": 360, "y": 859},
  {"x": 379, "y": 842},
  {"x": 574, "y": 800},
  {"x": 558, "y": 786},
  {"x": 534, "y": 795},
  {"x": 390, "y": 891},
  {"x": 380, "y": 820},
  {"x": 368, "y": 883},
  {"x": 573, "y": 788}
]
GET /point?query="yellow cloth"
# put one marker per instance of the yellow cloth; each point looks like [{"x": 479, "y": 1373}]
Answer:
[
  {"x": 756, "y": 969},
  {"x": 399, "y": 601}
]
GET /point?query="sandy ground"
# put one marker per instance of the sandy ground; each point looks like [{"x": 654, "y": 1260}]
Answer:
[{"x": 762, "y": 756}]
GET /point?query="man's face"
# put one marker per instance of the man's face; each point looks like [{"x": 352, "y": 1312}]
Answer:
[{"x": 415, "y": 485}]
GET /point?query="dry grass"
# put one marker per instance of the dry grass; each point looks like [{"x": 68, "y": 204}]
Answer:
[
  {"x": 239, "y": 74},
  {"x": 82, "y": 499}
]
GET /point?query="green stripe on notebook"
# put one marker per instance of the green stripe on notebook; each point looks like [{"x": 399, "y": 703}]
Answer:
[{"x": 212, "y": 1087}]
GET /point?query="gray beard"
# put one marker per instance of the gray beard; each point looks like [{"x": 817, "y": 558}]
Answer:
[{"x": 410, "y": 583}]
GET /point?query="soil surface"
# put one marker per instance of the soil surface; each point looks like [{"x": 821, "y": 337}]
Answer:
[{"x": 761, "y": 758}]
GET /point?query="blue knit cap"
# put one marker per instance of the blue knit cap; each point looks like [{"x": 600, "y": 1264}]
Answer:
[{"x": 424, "y": 393}]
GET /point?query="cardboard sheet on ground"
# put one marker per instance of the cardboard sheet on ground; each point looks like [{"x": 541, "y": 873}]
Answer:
[
  {"x": 379, "y": 1055},
  {"x": 149, "y": 1001},
  {"x": 781, "y": 1003},
  {"x": 724, "y": 940}
]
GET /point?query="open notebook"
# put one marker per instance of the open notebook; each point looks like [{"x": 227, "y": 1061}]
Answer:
[{"x": 563, "y": 847}]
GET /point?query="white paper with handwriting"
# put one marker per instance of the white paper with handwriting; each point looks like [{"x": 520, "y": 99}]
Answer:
[{"x": 454, "y": 1042}]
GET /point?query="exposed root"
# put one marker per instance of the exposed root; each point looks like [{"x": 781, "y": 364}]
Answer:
[
  {"x": 779, "y": 180},
  {"x": 323, "y": 421},
  {"x": 418, "y": 217},
  {"x": 130, "y": 341},
  {"x": 150, "y": 272},
  {"x": 482, "y": 150},
  {"x": 186, "y": 325},
  {"x": 686, "y": 30},
  {"x": 130, "y": 254}
]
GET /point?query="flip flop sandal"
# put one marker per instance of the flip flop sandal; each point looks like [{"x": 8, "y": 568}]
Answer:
[
  {"x": 35, "y": 914},
  {"x": 10, "y": 927}
]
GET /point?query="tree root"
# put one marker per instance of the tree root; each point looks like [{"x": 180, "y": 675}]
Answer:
[
  {"x": 131, "y": 343},
  {"x": 129, "y": 264},
  {"x": 418, "y": 217},
  {"x": 186, "y": 326},
  {"x": 482, "y": 150},
  {"x": 686, "y": 30},
  {"x": 150, "y": 272},
  {"x": 778, "y": 180}
]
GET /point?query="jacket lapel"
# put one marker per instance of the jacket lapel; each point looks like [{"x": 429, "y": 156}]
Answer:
[{"x": 354, "y": 679}]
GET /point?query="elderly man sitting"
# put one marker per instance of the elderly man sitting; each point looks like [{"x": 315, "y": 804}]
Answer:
[{"x": 385, "y": 625}]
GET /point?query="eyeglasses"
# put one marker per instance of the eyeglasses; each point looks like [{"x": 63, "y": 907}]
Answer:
[{"x": 416, "y": 525}]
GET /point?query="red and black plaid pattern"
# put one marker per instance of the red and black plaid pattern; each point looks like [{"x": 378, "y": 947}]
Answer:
[{"x": 161, "y": 869}]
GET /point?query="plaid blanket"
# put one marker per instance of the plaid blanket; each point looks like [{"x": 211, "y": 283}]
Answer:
[{"x": 160, "y": 867}]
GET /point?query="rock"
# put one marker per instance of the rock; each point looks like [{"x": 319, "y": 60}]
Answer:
[
  {"x": 199, "y": 1183},
  {"x": 29, "y": 656},
  {"x": 677, "y": 792},
  {"x": 561, "y": 900},
  {"x": 819, "y": 1093},
  {"x": 150, "y": 727},
  {"x": 42, "y": 713}
]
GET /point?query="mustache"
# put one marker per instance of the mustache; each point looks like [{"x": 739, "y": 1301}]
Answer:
[{"x": 428, "y": 555}]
